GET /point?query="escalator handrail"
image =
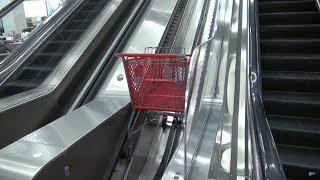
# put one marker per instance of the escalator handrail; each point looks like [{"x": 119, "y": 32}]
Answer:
[
  {"x": 318, "y": 4},
  {"x": 36, "y": 37},
  {"x": 8, "y": 8},
  {"x": 267, "y": 152}
]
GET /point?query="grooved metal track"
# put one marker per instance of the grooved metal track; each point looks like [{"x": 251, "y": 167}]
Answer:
[
  {"x": 171, "y": 30},
  {"x": 48, "y": 55},
  {"x": 290, "y": 63}
]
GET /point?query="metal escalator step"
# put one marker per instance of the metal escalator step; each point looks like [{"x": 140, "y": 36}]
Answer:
[
  {"x": 290, "y": 31},
  {"x": 68, "y": 35},
  {"x": 46, "y": 59},
  {"x": 300, "y": 163},
  {"x": 297, "y": 131},
  {"x": 290, "y": 62},
  {"x": 287, "y": 6},
  {"x": 297, "y": 81},
  {"x": 37, "y": 68},
  {"x": 94, "y": 5},
  {"x": 96, "y": 1},
  {"x": 77, "y": 25},
  {"x": 16, "y": 87},
  {"x": 290, "y": 45},
  {"x": 58, "y": 46},
  {"x": 289, "y": 18},
  {"x": 23, "y": 84},
  {"x": 292, "y": 104},
  {"x": 86, "y": 15},
  {"x": 34, "y": 73}
]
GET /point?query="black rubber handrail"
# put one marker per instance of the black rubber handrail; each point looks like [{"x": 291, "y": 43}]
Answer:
[{"x": 268, "y": 155}]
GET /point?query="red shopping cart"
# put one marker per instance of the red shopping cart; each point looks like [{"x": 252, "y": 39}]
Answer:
[{"x": 157, "y": 82}]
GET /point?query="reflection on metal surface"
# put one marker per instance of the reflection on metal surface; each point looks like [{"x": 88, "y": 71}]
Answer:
[
  {"x": 155, "y": 155},
  {"x": 225, "y": 159},
  {"x": 201, "y": 165},
  {"x": 225, "y": 137},
  {"x": 243, "y": 89},
  {"x": 201, "y": 88},
  {"x": 191, "y": 20},
  {"x": 24, "y": 158},
  {"x": 147, "y": 34},
  {"x": 230, "y": 154}
]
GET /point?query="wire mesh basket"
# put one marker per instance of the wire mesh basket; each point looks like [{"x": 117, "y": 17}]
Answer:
[{"x": 157, "y": 81}]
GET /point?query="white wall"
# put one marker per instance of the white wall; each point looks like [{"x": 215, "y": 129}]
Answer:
[
  {"x": 4, "y": 3},
  {"x": 15, "y": 21}
]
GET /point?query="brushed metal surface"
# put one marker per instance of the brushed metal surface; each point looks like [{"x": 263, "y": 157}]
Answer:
[{"x": 26, "y": 157}]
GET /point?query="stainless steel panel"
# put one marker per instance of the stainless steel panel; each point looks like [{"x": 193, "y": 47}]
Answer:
[
  {"x": 52, "y": 140},
  {"x": 24, "y": 158},
  {"x": 226, "y": 157},
  {"x": 189, "y": 25},
  {"x": 147, "y": 34}
]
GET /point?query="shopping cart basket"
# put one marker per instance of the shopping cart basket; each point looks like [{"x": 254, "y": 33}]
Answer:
[{"x": 157, "y": 82}]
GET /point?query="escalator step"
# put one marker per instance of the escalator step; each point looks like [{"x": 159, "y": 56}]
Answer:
[
  {"x": 297, "y": 131},
  {"x": 300, "y": 163},
  {"x": 34, "y": 73},
  {"x": 16, "y": 87},
  {"x": 68, "y": 35},
  {"x": 96, "y": 1},
  {"x": 94, "y": 5},
  {"x": 290, "y": 45},
  {"x": 46, "y": 59},
  {"x": 291, "y": 62},
  {"x": 287, "y": 6},
  {"x": 23, "y": 84},
  {"x": 291, "y": 81},
  {"x": 292, "y": 103},
  {"x": 289, "y": 18},
  {"x": 58, "y": 46},
  {"x": 290, "y": 31},
  {"x": 77, "y": 25},
  {"x": 86, "y": 15}
]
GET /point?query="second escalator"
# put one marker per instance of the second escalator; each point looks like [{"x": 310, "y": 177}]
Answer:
[
  {"x": 47, "y": 56},
  {"x": 290, "y": 63}
]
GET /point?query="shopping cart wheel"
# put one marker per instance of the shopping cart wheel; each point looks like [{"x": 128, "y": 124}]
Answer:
[{"x": 164, "y": 122}]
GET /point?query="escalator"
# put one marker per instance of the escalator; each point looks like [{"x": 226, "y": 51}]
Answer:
[
  {"x": 290, "y": 64},
  {"x": 49, "y": 73},
  {"x": 48, "y": 55}
]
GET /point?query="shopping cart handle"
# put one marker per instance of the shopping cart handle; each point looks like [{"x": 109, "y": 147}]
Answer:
[{"x": 142, "y": 55}]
